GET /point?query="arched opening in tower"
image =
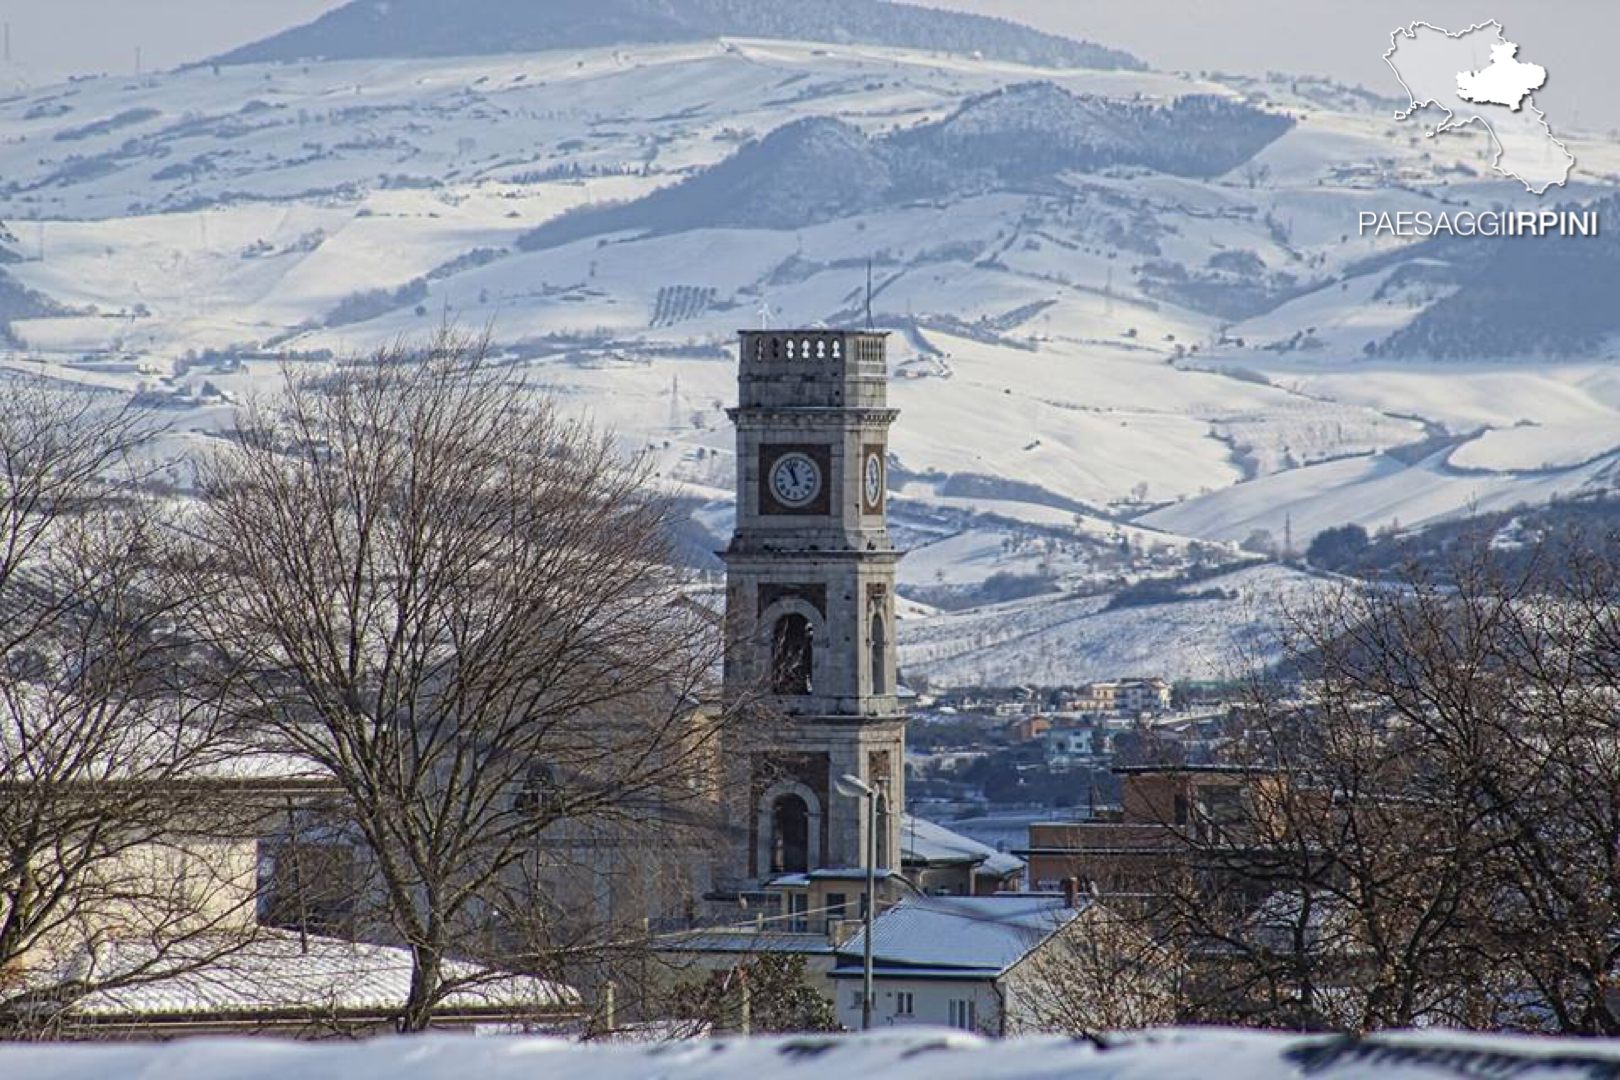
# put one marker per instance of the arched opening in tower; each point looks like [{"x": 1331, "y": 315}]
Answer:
[
  {"x": 880, "y": 656},
  {"x": 790, "y": 836},
  {"x": 793, "y": 655}
]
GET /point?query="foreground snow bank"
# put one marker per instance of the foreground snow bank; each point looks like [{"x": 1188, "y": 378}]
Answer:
[{"x": 915, "y": 1054}]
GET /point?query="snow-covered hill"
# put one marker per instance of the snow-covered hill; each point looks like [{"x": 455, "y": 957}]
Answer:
[
  {"x": 1227, "y": 630},
  {"x": 367, "y": 29},
  {"x": 1118, "y": 351}
]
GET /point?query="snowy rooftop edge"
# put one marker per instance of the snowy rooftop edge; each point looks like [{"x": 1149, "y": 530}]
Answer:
[{"x": 911, "y": 1054}]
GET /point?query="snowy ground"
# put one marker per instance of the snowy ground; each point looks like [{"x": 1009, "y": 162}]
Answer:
[{"x": 902, "y": 1054}]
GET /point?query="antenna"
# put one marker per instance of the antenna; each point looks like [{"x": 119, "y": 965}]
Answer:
[
  {"x": 869, "y": 293},
  {"x": 7, "y": 53}
]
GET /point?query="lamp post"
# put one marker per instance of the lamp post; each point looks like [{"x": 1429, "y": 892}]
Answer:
[{"x": 856, "y": 788}]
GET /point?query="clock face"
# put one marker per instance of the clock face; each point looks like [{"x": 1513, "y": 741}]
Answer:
[
  {"x": 795, "y": 479},
  {"x": 874, "y": 480}
]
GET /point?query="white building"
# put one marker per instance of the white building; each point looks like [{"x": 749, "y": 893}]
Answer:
[
  {"x": 1128, "y": 696},
  {"x": 957, "y": 961}
]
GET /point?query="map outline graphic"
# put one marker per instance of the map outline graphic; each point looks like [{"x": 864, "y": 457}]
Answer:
[{"x": 1453, "y": 121}]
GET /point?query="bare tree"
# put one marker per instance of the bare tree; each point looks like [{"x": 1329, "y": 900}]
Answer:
[
  {"x": 106, "y": 828},
  {"x": 460, "y": 604},
  {"x": 1550, "y": 784},
  {"x": 1429, "y": 825},
  {"x": 1102, "y": 972}
]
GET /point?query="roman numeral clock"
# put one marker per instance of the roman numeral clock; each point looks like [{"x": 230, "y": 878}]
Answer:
[{"x": 810, "y": 598}]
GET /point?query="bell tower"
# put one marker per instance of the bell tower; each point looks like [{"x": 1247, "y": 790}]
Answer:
[{"x": 810, "y": 598}]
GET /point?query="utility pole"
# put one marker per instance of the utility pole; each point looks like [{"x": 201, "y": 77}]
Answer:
[
  {"x": 854, "y": 787},
  {"x": 871, "y": 908}
]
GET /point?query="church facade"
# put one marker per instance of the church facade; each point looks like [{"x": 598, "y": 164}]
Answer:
[{"x": 810, "y": 604}]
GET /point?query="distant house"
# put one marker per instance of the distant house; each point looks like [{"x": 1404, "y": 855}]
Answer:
[
  {"x": 1163, "y": 810},
  {"x": 988, "y": 964},
  {"x": 941, "y": 862},
  {"x": 1084, "y": 742},
  {"x": 1130, "y": 696},
  {"x": 1029, "y": 728}
]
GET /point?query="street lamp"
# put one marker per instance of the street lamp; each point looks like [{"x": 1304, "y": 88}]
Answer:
[{"x": 855, "y": 788}]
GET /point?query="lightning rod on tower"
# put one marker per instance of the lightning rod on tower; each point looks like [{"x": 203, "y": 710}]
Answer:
[{"x": 869, "y": 294}]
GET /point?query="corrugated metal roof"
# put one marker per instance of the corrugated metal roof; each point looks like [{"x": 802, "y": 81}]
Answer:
[
  {"x": 987, "y": 933},
  {"x": 277, "y": 972}
]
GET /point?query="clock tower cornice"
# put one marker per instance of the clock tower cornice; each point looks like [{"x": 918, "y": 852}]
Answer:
[{"x": 811, "y": 414}]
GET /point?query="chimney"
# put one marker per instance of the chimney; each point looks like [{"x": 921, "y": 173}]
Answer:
[{"x": 1071, "y": 892}]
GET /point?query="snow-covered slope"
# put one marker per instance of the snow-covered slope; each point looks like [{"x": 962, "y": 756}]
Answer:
[
  {"x": 1099, "y": 344},
  {"x": 1230, "y": 626}
]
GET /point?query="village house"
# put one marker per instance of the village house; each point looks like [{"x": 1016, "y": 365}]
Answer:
[
  {"x": 1130, "y": 697},
  {"x": 993, "y": 965},
  {"x": 1132, "y": 849},
  {"x": 1028, "y": 729},
  {"x": 185, "y": 942}
]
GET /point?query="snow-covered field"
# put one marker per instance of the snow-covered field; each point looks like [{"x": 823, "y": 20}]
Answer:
[
  {"x": 190, "y": 232},
  {"x": 1075, "y": 640},
  {"x": 901, "y": 1054}
]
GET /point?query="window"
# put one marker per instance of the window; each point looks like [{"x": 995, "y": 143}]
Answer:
[
  {"x": 964, "y": 1014},
  {"x": 792, "y": 655},
  {"x": 310, "y": 886},
  {"x": 856, "y": 999},
  {"x": 798, "y": 907},
  {"x": 835, "y": 905},
  {"x": 538, "y": 793},
  {"x": 790, "y": 836},
  {"x": 902, "y": 1003},
  {"x": 880, "y": 649}
]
